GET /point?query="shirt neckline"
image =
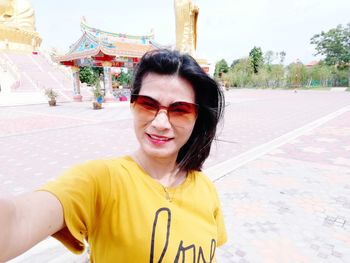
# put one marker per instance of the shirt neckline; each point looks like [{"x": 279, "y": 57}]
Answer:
[{"x": 145, "y": 176}]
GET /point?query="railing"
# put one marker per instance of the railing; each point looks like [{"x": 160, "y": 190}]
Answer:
[{"x": 65, "y": 70}]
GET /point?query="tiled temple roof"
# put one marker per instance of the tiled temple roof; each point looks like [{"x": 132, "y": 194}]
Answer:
[{"x": 95, "y": 42}]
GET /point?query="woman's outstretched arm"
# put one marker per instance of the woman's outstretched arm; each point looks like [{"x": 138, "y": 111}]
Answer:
[{"x": 26, "y": 220}]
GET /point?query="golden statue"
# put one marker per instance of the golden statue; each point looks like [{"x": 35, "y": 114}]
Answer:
[
  {"x": 186, "y": 14},
  {"x": 17, "y": 25}
]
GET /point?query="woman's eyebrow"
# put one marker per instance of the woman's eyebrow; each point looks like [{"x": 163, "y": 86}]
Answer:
[
  {"x": 153, "y": 99},
  {"x": 175, "y": 102},
  {"x": 150, "y": 98}
]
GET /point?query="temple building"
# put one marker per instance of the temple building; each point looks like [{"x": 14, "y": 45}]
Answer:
[{"x": 99, "y": 48}]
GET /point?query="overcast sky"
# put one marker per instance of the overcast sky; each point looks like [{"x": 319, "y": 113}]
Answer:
[{"x": 227, "y": 29}]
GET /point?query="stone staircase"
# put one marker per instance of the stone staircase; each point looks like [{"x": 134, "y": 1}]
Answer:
[{"x": 35, "y": 73}]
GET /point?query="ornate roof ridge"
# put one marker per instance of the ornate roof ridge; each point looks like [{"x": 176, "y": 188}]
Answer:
[
  {"x": 91, "y": 30},
  {"x": 76, "y": 44}
]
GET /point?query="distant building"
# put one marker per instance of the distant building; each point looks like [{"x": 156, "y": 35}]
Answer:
[{"x": 312, "y": 64}]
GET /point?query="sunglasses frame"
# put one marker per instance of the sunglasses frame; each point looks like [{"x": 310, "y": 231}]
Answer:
[{"x": 133, "y": 100}]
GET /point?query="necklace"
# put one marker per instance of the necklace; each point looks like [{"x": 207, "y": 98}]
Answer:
[
  {"x": 165, "y": 188},
  {"x": 167, "y": 194}
]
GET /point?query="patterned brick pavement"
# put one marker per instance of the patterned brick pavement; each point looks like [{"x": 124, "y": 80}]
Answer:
[{"x": 291, "y": 205}]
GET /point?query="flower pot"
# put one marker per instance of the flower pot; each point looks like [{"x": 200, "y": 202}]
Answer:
[
  {"x": 96, "y": 105},
  {"x": 52, "y": 102}
]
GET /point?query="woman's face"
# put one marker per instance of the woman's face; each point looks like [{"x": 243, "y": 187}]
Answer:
[{"x": 161, "y": 137}]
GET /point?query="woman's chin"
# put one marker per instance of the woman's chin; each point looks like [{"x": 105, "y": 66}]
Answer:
[{"x": 159, "y": 152}]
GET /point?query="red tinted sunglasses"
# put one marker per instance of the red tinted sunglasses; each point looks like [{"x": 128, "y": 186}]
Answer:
[{"x": 179, "y": 113}]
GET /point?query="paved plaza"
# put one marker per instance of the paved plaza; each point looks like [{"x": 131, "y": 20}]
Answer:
[
  {"x": 281, "y": 164},
  {"x": 292, "y": 204}
]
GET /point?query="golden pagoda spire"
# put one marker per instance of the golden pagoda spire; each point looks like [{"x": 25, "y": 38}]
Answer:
[{"x": 186, "y": 15}]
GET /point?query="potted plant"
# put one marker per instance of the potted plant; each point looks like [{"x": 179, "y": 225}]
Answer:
[
  {"x": 121, "y": 94},
  {"x": 124, "y": 79},
  {"x": 123, "y": 91},
  {"x": 98, "y": 96},
  {"x": 52, "y": 95}
]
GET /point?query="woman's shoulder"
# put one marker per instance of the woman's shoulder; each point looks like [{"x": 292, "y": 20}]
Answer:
[
  {"x": 97, "y": 170},
  {"x": 105, "y": 164},
  {"x": 205, "y": 187},
  {"x": 116, "y": 168},
  {"x": 201, "y": 177},
  {"x": 120, "y": 164},
  {"x": 101, "y": 172}
]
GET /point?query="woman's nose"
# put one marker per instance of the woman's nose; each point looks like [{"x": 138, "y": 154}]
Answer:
[{"x": 161, "y": 120}]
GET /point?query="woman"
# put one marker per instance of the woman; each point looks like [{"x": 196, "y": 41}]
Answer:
[{"x": 152, "y": 206}]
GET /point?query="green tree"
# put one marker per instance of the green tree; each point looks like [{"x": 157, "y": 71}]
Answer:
[
  {"x": 234, "y": 63},
  {"x": 90, "y": 75},
  {"x": 320, "y": 74},
  {"x": 269, "y": 56},
  {"x": 341, "y": 76},
  {"x": 335, "y": 46},
  {"x": 256, "y": 58},
  {"x": 220, "y": 67},
  {"x": 282, "y": 55},
  {"x": 260, "y": 79},
  {"x": 124, "y": 78},
  {"x": 98, "y": 71},
  {"x": 229, "y": 78},
  {"x": 87, "y": 76},
  {"x": 276, "y": 76},
  {"x": 240, "y": 75},
  {"x": 297, "y": 75}
]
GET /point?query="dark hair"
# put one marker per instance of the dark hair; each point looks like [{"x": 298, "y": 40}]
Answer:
[{"x": 208, "y": 96}]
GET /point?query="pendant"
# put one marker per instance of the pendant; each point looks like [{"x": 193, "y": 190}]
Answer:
[{"x": 167, "y": 195}]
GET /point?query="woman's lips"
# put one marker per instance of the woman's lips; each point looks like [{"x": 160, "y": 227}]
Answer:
[{"x": 157, "y": 139}]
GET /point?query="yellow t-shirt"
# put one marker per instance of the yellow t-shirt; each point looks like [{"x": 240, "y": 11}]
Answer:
[{"x": 127, "y": 216}]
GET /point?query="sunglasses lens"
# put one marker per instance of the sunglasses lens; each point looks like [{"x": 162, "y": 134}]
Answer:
[
  {"x": 182, "y": 113},
  {"x": 179, "y": 113},
  {"x": 145, "y": 108}
]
